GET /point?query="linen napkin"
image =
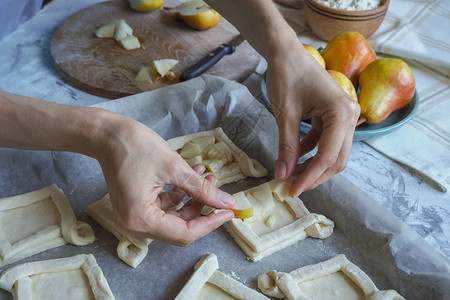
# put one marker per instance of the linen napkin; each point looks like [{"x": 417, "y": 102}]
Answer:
[{"x": 417, "y": 32}]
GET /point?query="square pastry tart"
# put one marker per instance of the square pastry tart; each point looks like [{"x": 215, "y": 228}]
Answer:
[
  {"x": 130, "y": 250},
  {"x": 278, "y": 221},
  {"x": 219, "y": 154},
  {"x": 76, "y": 278},
  {"x": 336, "y": 278},
  {"x": 37, "y": 221},
  {"x": 207, "y": 282}
]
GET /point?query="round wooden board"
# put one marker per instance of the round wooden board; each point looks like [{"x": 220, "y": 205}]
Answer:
[{"x": 102, "y": 67}]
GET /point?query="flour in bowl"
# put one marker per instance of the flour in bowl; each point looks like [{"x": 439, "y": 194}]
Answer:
[{"x": 351, "y": 4}]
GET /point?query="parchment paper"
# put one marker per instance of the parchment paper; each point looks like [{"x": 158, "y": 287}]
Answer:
[{"x": 390, "y": 252}]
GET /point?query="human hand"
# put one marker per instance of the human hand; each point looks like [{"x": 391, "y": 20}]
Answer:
[
  {"x": 300, "y": 89},
  {"x": 137, "y": 164}
]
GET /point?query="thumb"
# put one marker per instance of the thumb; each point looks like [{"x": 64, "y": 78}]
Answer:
[
  {"x": 289, "y": 148},
  {"x": 201, "y": 189}
]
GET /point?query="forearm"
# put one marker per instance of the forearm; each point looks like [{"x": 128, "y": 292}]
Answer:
[
  {"x": 27, "y": 123},
  {"x": 260, "y": 22}
]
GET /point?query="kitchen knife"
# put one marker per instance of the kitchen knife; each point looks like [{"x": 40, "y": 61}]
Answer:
[{"x": 211, "y": 59}]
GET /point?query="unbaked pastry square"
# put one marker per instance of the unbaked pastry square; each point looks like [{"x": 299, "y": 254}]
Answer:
[
  {"x": 207, "y": 282},
  {"x": 76, "y": 278},
  {"x": 336, "y": 278},
  {"x": 37, "y": 221},
  {"x": 278, "y": 221},
  {"x": 130, "y": 250}
]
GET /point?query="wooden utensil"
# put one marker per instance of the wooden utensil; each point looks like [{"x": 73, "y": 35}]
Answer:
[{"x": 102, "y": 67}]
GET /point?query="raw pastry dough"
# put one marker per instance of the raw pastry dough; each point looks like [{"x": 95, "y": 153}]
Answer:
[
  {"x": 207, "y": 282},
  {"x": 37, "y": 221},
  {"x": 77, "y": 277},
  {"x": 336, "y": 278},
  {"x": 235, "y": 163},
  {"x": 220, "y": 156},
  {"x": 275, "y": 225},
  {"x": 130, "y": 250}
]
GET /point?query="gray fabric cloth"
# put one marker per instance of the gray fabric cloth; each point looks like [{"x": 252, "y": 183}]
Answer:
[{"x": 16, "y": 12}]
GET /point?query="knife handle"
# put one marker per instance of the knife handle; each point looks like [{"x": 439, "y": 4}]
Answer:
[{"x": 207, "y": 62}]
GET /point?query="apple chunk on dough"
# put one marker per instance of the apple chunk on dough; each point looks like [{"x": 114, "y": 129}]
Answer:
[
  {"x": 243, "y": 209},
  {"x": 281, "y": 189}
]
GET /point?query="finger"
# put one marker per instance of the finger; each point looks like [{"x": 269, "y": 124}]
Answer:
[
  {"x": 330, "y": 145},
  {"x": 289, "y": 148},
  {"x": 298, "y": 170},
  {"x": 309, "y": 142},
  {"x": 202, "y": 189},
  {"x": 174, "y": 230},
  {"x": 340, "y": 164},
  {"x": 189, "y": 211},
  {"x": 173, "y": 197}
]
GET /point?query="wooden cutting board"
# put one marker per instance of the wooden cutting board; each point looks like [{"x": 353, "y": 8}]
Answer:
[{"x": 102, "y": 67}]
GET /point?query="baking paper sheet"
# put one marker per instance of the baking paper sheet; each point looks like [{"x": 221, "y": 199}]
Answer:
[{"x": 390, "y": 252}]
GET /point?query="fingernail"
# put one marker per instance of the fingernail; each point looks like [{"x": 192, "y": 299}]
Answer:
[
  {"x": 280, "y": 169},
  {"x": 225, "y": 198}
]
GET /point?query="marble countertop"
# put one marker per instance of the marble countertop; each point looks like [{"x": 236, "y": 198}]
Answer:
[{"x": 26, "y": 68}]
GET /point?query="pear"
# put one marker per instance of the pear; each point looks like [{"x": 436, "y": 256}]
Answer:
[
  {"x": 386, "y": 85},
  {"x": 344, "y": 82},
  {"x": 349, "y": 53},
  {"x": 196, "y": 13},
  {"x": 243, "y": 209},
  {"x": 145, "y": 5},
  {"x": 316, "y": 54}
]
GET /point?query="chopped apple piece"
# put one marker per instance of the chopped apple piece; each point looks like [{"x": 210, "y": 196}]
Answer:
[
  {"x": 265, "y": 197},
  {"x": 243, "y": 209},
  {"x": 214, "y": 165},
  {"x": 145, "y": 5},
  {"x": 194, "y": 160},
  {"x": 122, "y": 24},
  {"x": 204, "y": 141},
  {"x": 280, "y": 189},
  {"x": 144, "y": 75},
  {"x": 130, "y": 42},
  {"x": 163, "y": 66},
  {"x": 106, "y": 31},
  {"x": 257, "y": 206},
  {"x": 122, "y": 30},
  {"x": 218, "y": 150},
  {"x": 270, "y": 221},
  {"x": 190, "y": 150}
]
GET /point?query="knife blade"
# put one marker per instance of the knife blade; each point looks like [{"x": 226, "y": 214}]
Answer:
[{"x": 211, "y": 59}]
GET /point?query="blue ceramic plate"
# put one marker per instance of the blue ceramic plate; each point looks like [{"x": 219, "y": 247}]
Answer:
[{"x": 365, "y": 131}]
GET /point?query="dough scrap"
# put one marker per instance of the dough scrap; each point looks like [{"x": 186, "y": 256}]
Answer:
[
  {"x": 331, "y": 279},
  {"x": 292, "y": 223},
  {"x": 77, "y": 277},
  {"x": 207, "y": 282},
  {"x": 130, "y": 250},
  {"x": 34, "y": 222}
]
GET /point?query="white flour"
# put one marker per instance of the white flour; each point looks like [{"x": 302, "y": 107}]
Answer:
[{"x": 351, "y": 4}]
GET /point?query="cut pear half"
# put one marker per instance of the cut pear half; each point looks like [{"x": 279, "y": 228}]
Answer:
[
  {"x": 196, "y": 13},
  {"x": 145, "y": 5},
  {"x": 243, "y": 208}
]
